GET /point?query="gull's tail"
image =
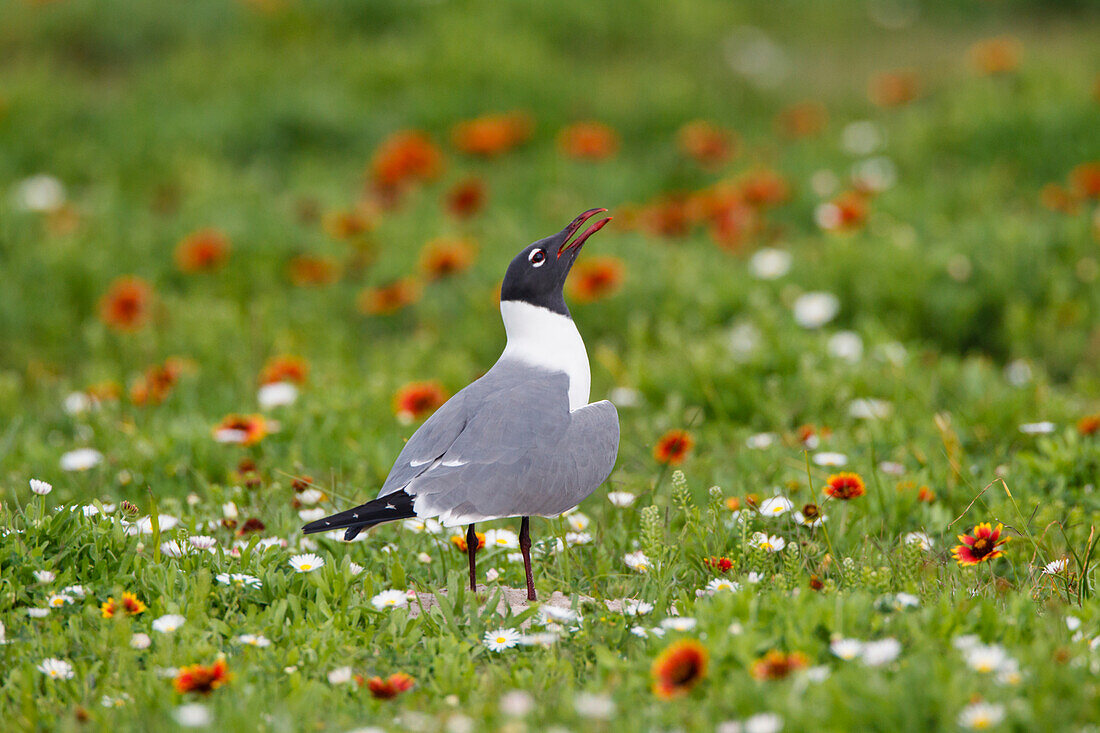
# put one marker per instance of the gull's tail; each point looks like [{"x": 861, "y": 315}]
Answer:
[{"x": 388, "y": 508}]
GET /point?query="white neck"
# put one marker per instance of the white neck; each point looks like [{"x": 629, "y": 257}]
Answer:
[{"x": 542, "y": 338}]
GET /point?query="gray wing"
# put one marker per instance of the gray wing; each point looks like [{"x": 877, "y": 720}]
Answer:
[
  {"x": 428, "y": 444},
  {"x": 521, "y": 453}
]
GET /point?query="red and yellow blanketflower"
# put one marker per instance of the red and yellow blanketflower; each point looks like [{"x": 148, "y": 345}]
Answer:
[
  {"x": 285, "y": 368},
  {"x": 492, "y": 134},
  {"x": 677, "y": 669},
  {"x": 776, "y": 665},
  {"x": 408, "y": 156},
  {"x": 673, "y": 447},
  {"x": 127, "y": 304},
  {"x": 202, "y": 251},
  {"x": 595, "y": 278},
  {"x": 156, "y": 384},
  {"x": 417, "y": 399},
  {"x": 721, "y": 564},
  {"x": 1089, "y": 425},
  {"x": 983, "y": 543},
  {"x": 459, "y": 541},
  {"x": 130, "y": 605},
  {"x": 466, "y": 198},
  {"x": 707, "y": 144},
  {"x": 845, "y": 486},
  {"x": 391, "y": 687},
  {"x": 241, "y": 429},
  {"x": 202, "y": 678}
]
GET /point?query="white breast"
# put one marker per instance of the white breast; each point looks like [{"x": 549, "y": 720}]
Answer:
[{"x": 542, "y": 338}]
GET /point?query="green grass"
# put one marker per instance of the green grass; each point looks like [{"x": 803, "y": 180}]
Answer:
[{"x": 160, "y": 122}]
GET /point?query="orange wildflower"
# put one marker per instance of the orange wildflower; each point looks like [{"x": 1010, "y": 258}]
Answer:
[
  {"x": 845, "y": 213},
  {"x": 926, "y": 495},
  {"x": 721, "y": 564},
  {"x": 459, "y": 541},
  {"x": 733, "y": 225},
  {"x": 845, "y": 486},
  {"x": 241, "y": 429},
  {"x": 444, "y": 257},
  {"x": 126, "y": 305},
  {"x": 251, "y": 525},
  {"x": 995, "y": 55},
  {"x": 312, "y": 270},
  {"x": 466, "y": 198},
  {"x": 893, "y": 88},
  {"x": 202, "y": 251},
  {"x": 130, "y": 605},
  {"x": 681, "y": 666},
  {"x": 668, "y": 216},
  {"x": 347, "y": 224},
  {"x": 405, "y": 157},
  {"x": 805, "y": 119},
  {"x": 1084, "y": 180},
  {"x": 733, "y": 503},
  {"x": 103, "y": 391},
  {"x": 595, "y": 278},
  {"x": 765, "y": 187},
  {"x": 390, "y": 298},
  {"x": 1058, "y": 198},
  {"x": 285, "y": 368},
  {"x": 775, "y": 665},
  {"x": 673, "y": 447},
  {"x": 391, "y": 687},
  {"x": 156, "y": 384},
  {"x": 983, "y": 543},
  {"x": 588, "y": 141},
  {"x": 1089, "y": 425},
  {"x": 707, "y": 144},
  {"x": 416, "y": 399},
  {"x": 493, "y": 134},
  {"x": 203, "y": 679}
]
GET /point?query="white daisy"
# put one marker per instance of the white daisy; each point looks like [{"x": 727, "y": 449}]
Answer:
[
  {"x": 985, "y": 658},
  {"x": 312, "y": 514},
  {"x": 632, "y": 607},
  {"x": 878, "y": 653},
  {"x": 678, "y": 623},
  {"x": 754, "y": 577},
  {"x": 501, "y": 538},
  {"x": 826, "y": 458},
  {"x": 426, "y": 558},
  {"x": 168, "y": 623},
  {"x": 868, "y": 408},
  {"x": 309, "y": 497},
  {"x": 172, "y": 548},
  {"x": 1037, "y": 428},
  {"x": 77, "y": 403},
  {"x": 355, "y": 568},
  {"x": 920, "y": 539},
  {"x": 78, "y": 591},
  {"x": 193, "y": 715},
  {"x": 258, "y": 640},
  {"x": 722, "y": 584},
  {"x": 637, "y": 561},
  {"x": 44, "y": 576},
  {"x": 814, "y": 310},
  {"x": 40, "y": 487},
  {"x": 775, "y": 506},
  {"x": 390, "y": 599},
  {"x": 56, "y": 669},
  {"x": 846, "y": 345},
  {"x": 431, "y": 526},
  {"x": 817, "y": 521},
  {"x": 38, "y": 612},
  {"x": 516, "y": 704},
  {"x": 80, "y": 459},
  {"x": 140, "y": 641},
  {"x": 578, "y": 521},
  {"x": 594, "y": 707},
  {"x": 892, "y": 468},
  {"x": 202, "y": 542},
  {"x": 981, "y": 715},
  {"x": 339, "y": 676},
  {"x": 558, "y": 614},
  {"x": 620, "y": 498},
  {"x": 847, "y": 649},
  {"x": 145, "y": 524},
  {"x": 768, "y": 263},
  {"x": 770, "y": 543},
  {"x": 306, "y": 563},
  {"x": 625, "y": 397},
  {"x": 501, "y": 639},
  {"x": 239, "y": 579},
  {"x": 1057, "y": 567},
  {"x": 760, "y": 441},
  {"x": 40, "y": 193},
  {"x": 58, "y": 600},
  {"x": 89, "y": 510}
]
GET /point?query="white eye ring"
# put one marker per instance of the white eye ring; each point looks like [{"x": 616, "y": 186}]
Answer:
[{"x": 540, "y": 255}]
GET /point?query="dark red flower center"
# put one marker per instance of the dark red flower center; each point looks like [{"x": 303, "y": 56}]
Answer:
[{"x": 981, "y": 547}]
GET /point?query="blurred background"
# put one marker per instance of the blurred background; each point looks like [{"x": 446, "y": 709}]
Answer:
[{"x": 228, "y": 181}]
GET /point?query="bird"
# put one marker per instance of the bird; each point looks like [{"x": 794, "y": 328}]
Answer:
[{"x": 523, "y": 439}]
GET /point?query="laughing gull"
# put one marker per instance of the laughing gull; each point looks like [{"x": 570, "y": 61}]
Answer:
[{"x": 522, "y": 440}]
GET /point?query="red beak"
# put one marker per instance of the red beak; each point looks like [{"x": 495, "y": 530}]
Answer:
[{"x": 577, "y": 224}]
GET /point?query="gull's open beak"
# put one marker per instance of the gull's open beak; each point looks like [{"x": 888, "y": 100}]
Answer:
[{"x": 576, "y": 224}]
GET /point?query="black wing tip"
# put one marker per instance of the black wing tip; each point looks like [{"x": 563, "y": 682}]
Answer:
[{"x": 388, "y": 508}]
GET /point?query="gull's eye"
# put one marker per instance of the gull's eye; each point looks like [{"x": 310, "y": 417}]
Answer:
[{"x": 537, "y": 257}]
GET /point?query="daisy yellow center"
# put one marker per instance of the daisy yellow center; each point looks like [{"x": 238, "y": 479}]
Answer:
[
  {"x": 501, "y": 640},
  {"x": 307, "y": 566}
]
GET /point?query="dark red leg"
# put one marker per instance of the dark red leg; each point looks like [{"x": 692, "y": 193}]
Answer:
[
  {"x": 471, "y": 550},
  {"x": 525, "y": 548}
]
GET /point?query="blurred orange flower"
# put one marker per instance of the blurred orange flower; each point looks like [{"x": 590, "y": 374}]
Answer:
[
  {"x": 595, "y": 278},
  {"x": 492, "y": 134},
  {"x": 156, "y": 384},
  {"x": 392, "y": 686},
  {"x": 668, "y": 216},
  {"x": 673, "y": 447},
  {"x": 731, "y": 226},
  {"x": 417, "y": 399},
  {"x": 845, "y": 486},
  {"x": 405, "y": 157},
  {"x": 707, "y": 144},
  {"x": 805, "y": 119},
  {"x": 995, "y": 55},
  {"x": 241, "y": 429},
  {"x": 202, "y": 251},
  {"x": 312, "y": 270},
  {"x": 893, "y": 88},
  {"x": 1056, "y": 197},
  {"x": 466, "y": 198},
  {"x": 764, "y": 187},
  {"x": 390, "y": 298},
  {"x": 203, "y": 679},
  {"x": 1089, "y": 425},
  {"x": 285, "y": 368},
  {"x": 1084, "y": 180},
  {"x": 775, "y": 665},
  {"x": 444, "y": 257},
  {"x": 588, "y": 141},
  {"x": 847, "y": 212},
  {"x": 347, "y": 224},
  {"x": 126, "y": 305},
  {"x": 681, "y": 666},
  {"x": 459, "y": 541}
]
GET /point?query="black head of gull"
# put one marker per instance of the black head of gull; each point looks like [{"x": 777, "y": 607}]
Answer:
[{"x": 537, "y": 274}]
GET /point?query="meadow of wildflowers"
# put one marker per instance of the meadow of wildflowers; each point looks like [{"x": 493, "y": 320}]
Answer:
[{"x": 848, "y": 310}]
